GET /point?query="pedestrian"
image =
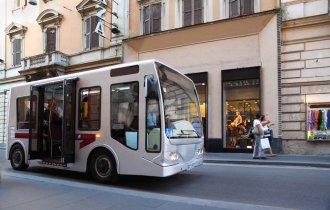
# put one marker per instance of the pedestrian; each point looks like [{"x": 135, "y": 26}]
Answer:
[
  {"x": 267, "y": 132},
  {"x": 258, "y": 152}
]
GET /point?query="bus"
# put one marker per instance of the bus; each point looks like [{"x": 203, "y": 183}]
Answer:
[{"x": 140, "y": 118}]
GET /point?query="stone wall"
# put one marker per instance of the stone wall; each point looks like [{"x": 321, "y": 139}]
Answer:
[{"x": 305, "y": 78}]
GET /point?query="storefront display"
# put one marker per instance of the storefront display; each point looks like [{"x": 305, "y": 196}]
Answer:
[
  {"x": 318, "y": 122},
  {"x": 241, "y": 102}
]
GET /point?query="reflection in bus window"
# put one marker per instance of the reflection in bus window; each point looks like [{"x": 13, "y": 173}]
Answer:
[
  {"x": 23, "y": 112},
  {"x": 125, "y": 113},
  {"x": 90, "y": 108}
]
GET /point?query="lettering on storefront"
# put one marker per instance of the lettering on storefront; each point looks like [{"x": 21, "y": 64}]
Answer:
[
  {"x": 242, "y": 83},
  {"x": 101, "y": 15}
]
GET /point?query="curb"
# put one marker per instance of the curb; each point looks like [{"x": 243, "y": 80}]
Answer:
[{"x": 265, "y": 163}]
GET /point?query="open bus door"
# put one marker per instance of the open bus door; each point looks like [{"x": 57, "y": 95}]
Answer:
[
  {"x": 68, "y": 126},
  {"x": 36, "y": 122},
  {"x": 41, "y": 141}
]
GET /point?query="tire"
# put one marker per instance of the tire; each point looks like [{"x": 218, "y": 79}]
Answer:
[
  {"x": 17, "y": 158},
  {"x": 103, "y": 167}
]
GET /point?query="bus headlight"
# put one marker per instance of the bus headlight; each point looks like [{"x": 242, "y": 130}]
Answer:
[{"x": 172, "y": 156}]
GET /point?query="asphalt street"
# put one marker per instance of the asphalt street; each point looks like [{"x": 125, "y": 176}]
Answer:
[{"x": 211, "y": 186}]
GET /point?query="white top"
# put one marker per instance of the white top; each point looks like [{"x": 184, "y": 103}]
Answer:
[{"x": 256, "y": 122}]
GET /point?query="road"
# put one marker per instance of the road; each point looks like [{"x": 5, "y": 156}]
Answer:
[{"x": 211, "y": 186}]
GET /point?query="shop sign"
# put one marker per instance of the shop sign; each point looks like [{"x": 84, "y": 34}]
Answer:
[
  {"x": 242, "y": 83},
  {"x": 101, "y": 15}
]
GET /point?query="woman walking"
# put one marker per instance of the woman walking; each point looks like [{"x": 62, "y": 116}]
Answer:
[{"x": 258, "y": 152}]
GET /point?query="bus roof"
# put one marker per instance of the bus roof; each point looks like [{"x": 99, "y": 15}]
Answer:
[{"x": 92, "y": 71}]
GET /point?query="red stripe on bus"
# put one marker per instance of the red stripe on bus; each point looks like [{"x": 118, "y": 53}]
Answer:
[
  {"x": 84, "y": 143},
  {"x": 22, "y": 135},
  {"x": 86, "y": 139}
]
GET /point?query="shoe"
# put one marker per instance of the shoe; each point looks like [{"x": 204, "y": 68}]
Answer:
[
  {"x": 273, "y": 155},
  {"x": 256, "y": 158},
  {"x": 263, "y": 158}
]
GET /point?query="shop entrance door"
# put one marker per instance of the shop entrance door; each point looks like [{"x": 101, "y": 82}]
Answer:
[{"x": 241, "y": 102}]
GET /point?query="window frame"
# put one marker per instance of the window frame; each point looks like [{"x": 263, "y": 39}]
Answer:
[
  {"x": 151, "y": 18},
  {"x": 17, "y": 115},
  {"x": 79, "y": 108},
  {"x": 192, "y": 20},
  {"x": 14, "y": 52},
  {"x": 255, "y": 8},
  {"x": 90, "y": 34},
  {"x": 110, "y": 113}
]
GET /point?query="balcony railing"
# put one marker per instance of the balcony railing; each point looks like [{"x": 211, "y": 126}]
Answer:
[{"x": 45, "y": 59}]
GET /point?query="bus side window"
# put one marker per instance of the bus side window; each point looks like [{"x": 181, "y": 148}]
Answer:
[
  {"x": 124, "y": 115},
  {"x": 90, "y": 108},
  {"x": 153, "y": 125},
  {"x": 23, "y": 112}
]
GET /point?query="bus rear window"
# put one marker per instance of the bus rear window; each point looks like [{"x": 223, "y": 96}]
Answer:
[
  {"x": 23, "y": 112},
  {"x": 90, "y": 108}
]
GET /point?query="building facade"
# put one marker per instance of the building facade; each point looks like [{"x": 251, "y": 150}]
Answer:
[
  {"x": 56, "y": 37},
  {"x": 245, "y": 57},
  {"x": 305, "y": 95},
  {"x": 230, "y": 49}
]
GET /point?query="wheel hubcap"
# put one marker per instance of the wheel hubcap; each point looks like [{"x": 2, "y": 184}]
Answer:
[
  {"x": 17, "y": 158},
  {"x": 103, "y": 166}
]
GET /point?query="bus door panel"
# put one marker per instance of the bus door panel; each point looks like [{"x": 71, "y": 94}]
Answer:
[
  {"x": 68, "y": 140},
  {"x": 36, "y": 144}
]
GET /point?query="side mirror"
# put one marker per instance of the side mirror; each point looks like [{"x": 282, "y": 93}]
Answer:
[{"x": 150, "y": 87}]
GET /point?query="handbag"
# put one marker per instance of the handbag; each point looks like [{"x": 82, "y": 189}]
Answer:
[
  {"x": 255, "y": 131},
  {"x": 264, "y": 142}
]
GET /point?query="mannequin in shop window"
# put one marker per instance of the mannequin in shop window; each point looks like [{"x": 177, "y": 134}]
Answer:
[{"x": 237, "y": 125}]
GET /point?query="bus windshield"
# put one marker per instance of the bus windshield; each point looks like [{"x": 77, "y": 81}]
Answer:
[{"x": 182, "y": 116}]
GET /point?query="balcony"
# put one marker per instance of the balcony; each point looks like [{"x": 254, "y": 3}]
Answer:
[
  {"x": 44, "y": 65},
  {"x": 46, "y": 59}
]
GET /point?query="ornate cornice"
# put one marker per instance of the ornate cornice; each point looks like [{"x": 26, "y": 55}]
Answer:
[{"x": 48, "y": 17}]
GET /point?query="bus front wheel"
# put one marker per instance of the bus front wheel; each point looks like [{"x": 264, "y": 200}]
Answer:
[
  {"x": 103, "y": 167},
  {"x": 17, "y": 158}
]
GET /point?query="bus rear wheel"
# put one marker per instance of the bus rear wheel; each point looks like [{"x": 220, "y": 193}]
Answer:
[
  {"x": 103, "y": 167},
  {"x": 17, "y": 158}
]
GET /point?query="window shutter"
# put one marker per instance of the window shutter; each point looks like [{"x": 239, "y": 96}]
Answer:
[
  {"x": 234, "y": 9},
  {"x": 247, "y": 7},
  {"x": 187, "y": 12},
  {"x": 51, "y": 39},
  {"x": 156, "y": 18},
  {"x": 18, "y": 52},
  {"x": 198, "y": 11},
  {"x": 95, "y": 36},
  {"x": 146, "y": 20},
  {"x": 87, "y": 32}
]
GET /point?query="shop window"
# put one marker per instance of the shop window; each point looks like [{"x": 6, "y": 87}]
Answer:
[
  {"x": 241, "y": 102},
  {"x": 23, "y": 112},
  {"x": 318, "y": 122},
  {"x": 124, "y": 105},
  {"x": 90, "y": 108},
  {"x": 152, "y": 18},
  {"x": 192, "y": 12},
  {"x": 240, "y": 7}
]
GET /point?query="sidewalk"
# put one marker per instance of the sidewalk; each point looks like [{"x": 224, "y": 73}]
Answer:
[{"x": 322, "y": 161}]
